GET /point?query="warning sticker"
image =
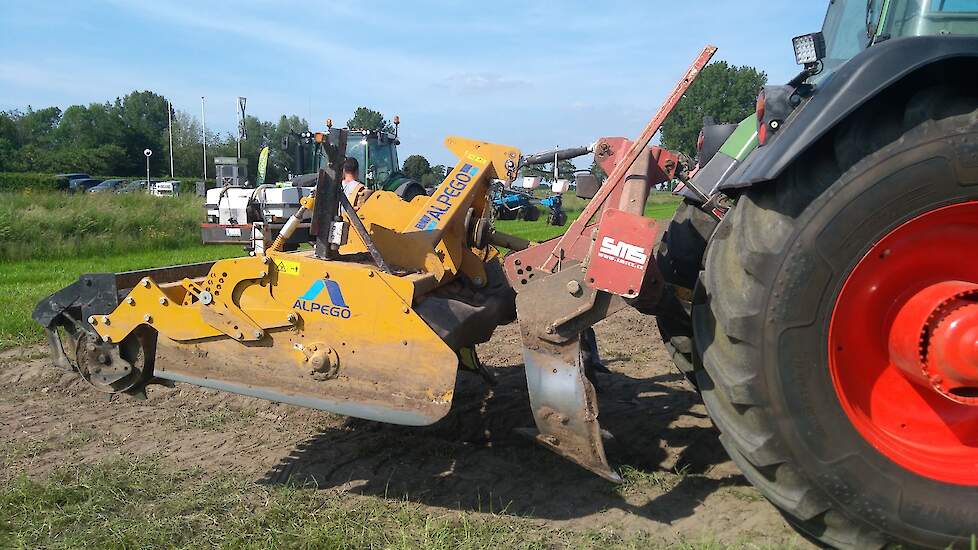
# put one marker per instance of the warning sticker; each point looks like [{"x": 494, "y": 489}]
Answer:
[{"x": 286, "y": 267}]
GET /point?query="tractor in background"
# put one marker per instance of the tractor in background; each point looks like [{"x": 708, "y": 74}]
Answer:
[{"x": 251, "y": 215}]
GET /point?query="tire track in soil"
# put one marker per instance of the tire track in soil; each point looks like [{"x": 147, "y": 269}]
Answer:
[{"x": 471, "y": 460}]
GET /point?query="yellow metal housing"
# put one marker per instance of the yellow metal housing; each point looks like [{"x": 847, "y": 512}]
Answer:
[{"x": 334, "y": 334}]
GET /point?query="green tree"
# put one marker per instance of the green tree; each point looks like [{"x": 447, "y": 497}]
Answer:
[
  {"x": 368, "y": 119},
  {"x": 565, "y": 170},
  {"x": 144, "y": 120},
  {"x": 598, "y": 172},
  {"x": 187, "y": 149},
  {"x": 415, "y": 167},
  {"x": 434, "y": 176},
  {"x": 89, "y": 126},
  {"x": 281, "y": 162},
  {"x": 33, "y": 127},
  {"x": 722, "y": 91}
]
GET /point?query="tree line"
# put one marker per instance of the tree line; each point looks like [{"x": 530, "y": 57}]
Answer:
[{"x": 109, "y": 139}]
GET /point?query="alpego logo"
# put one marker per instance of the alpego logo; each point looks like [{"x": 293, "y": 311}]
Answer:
[
  {"x": 623, "y": 253},
  {"x": 337, "y": 306},
  {"x": 446, "y": 197}
]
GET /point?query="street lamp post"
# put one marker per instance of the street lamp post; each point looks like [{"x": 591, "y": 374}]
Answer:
[
  {"x": 148, "y": 153},
  {"x": 203, "y": 132},
  {"x": 169, "y": 126}
]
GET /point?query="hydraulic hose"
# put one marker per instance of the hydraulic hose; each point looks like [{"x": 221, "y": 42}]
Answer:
[{"x": 560, "y": 154}]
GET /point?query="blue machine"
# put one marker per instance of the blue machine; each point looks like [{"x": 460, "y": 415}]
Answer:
[{"x": 511, "y": 204}]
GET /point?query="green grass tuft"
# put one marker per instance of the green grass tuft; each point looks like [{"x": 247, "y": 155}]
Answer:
[
  {"x": 123, "y": 504},
  {"x": 38, "y": 225}
]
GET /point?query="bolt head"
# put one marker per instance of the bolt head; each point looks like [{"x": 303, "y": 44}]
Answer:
[
  {"x": 130, "y": 301},
  {"x": 163, "y": 301},
  {"x": 105, "y": 319},
  {"x": 92, "y": 320},
  {"x": 148, "y": 318},
  {"x": 258, "y": 334},
  {"x": 293, "y": 317},
  {"x": 573, "y": 287},
  {"x": 108, "y": 339},
  {"x": 262, "y": 274},
  {"x": 145, "y": 282}
]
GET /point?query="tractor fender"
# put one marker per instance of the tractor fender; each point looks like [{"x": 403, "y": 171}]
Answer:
[
  {"x": 857, "y": 82},
  {"x": 410, "y": 189}
]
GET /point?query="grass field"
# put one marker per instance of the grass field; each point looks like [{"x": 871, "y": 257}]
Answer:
[
  {"x": 122, "y": 504},
  {"x": 58, "y": 225}
]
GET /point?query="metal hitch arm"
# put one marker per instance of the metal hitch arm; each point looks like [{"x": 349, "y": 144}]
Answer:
[{"x": 570, "y": 283}]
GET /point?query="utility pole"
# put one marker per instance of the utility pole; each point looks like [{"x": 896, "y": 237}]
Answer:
[
  {"x": 203, "y": 132},
  {"x": 169, "y": 127}
]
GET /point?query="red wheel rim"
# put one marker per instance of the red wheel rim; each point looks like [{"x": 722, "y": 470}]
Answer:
[{"x": 905, "y": 417}]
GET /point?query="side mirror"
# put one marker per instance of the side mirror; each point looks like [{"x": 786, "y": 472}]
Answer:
[{"x": 587, "y": 185}]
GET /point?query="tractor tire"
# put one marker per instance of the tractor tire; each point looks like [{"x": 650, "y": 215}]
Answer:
[
  {"x": 852, "y": 452},
  {"x": 530, "y": 213},
  {"x": 557, "y": 219},
  {"x": 680, "y": 259}
]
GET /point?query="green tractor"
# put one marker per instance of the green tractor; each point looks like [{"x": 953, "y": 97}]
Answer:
[
  {"x": 824, "y": 297},
  {"x": 375, "y": 152}
]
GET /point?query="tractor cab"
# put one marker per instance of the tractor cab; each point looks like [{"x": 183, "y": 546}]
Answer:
[
  {"x": 854, "y": 25},
  {"x": 376, "y": 152}
]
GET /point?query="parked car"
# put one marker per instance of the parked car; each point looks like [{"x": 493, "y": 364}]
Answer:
[
  {"x": 80, "y": 185},
  {"x": 64, "y": 180},
  {"x": 134, "y": 186},
  {"x": 108, "y": 186}
]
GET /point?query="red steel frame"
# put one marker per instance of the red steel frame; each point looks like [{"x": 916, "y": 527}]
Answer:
[{"x": 576, "y": 241}]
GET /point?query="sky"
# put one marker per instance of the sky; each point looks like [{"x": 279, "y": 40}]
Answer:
[{"x": 534, "y": 75}]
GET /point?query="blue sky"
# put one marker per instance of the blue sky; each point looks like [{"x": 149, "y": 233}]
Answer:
[{"x": 530, "y": 74}]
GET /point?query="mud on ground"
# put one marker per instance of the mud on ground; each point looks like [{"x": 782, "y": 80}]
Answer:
[{"x": 680, "y": 485}]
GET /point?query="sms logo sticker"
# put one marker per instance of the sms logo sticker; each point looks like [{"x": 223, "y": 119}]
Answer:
[
  {"x": 446, "y": 197},
  {"x": 309, "y": 301}
]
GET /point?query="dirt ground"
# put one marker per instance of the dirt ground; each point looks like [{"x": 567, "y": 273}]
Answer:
[{"x": 680, "y": 485}]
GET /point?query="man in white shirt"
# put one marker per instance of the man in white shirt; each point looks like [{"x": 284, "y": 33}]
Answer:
[{"x": 350, "y": 184}]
